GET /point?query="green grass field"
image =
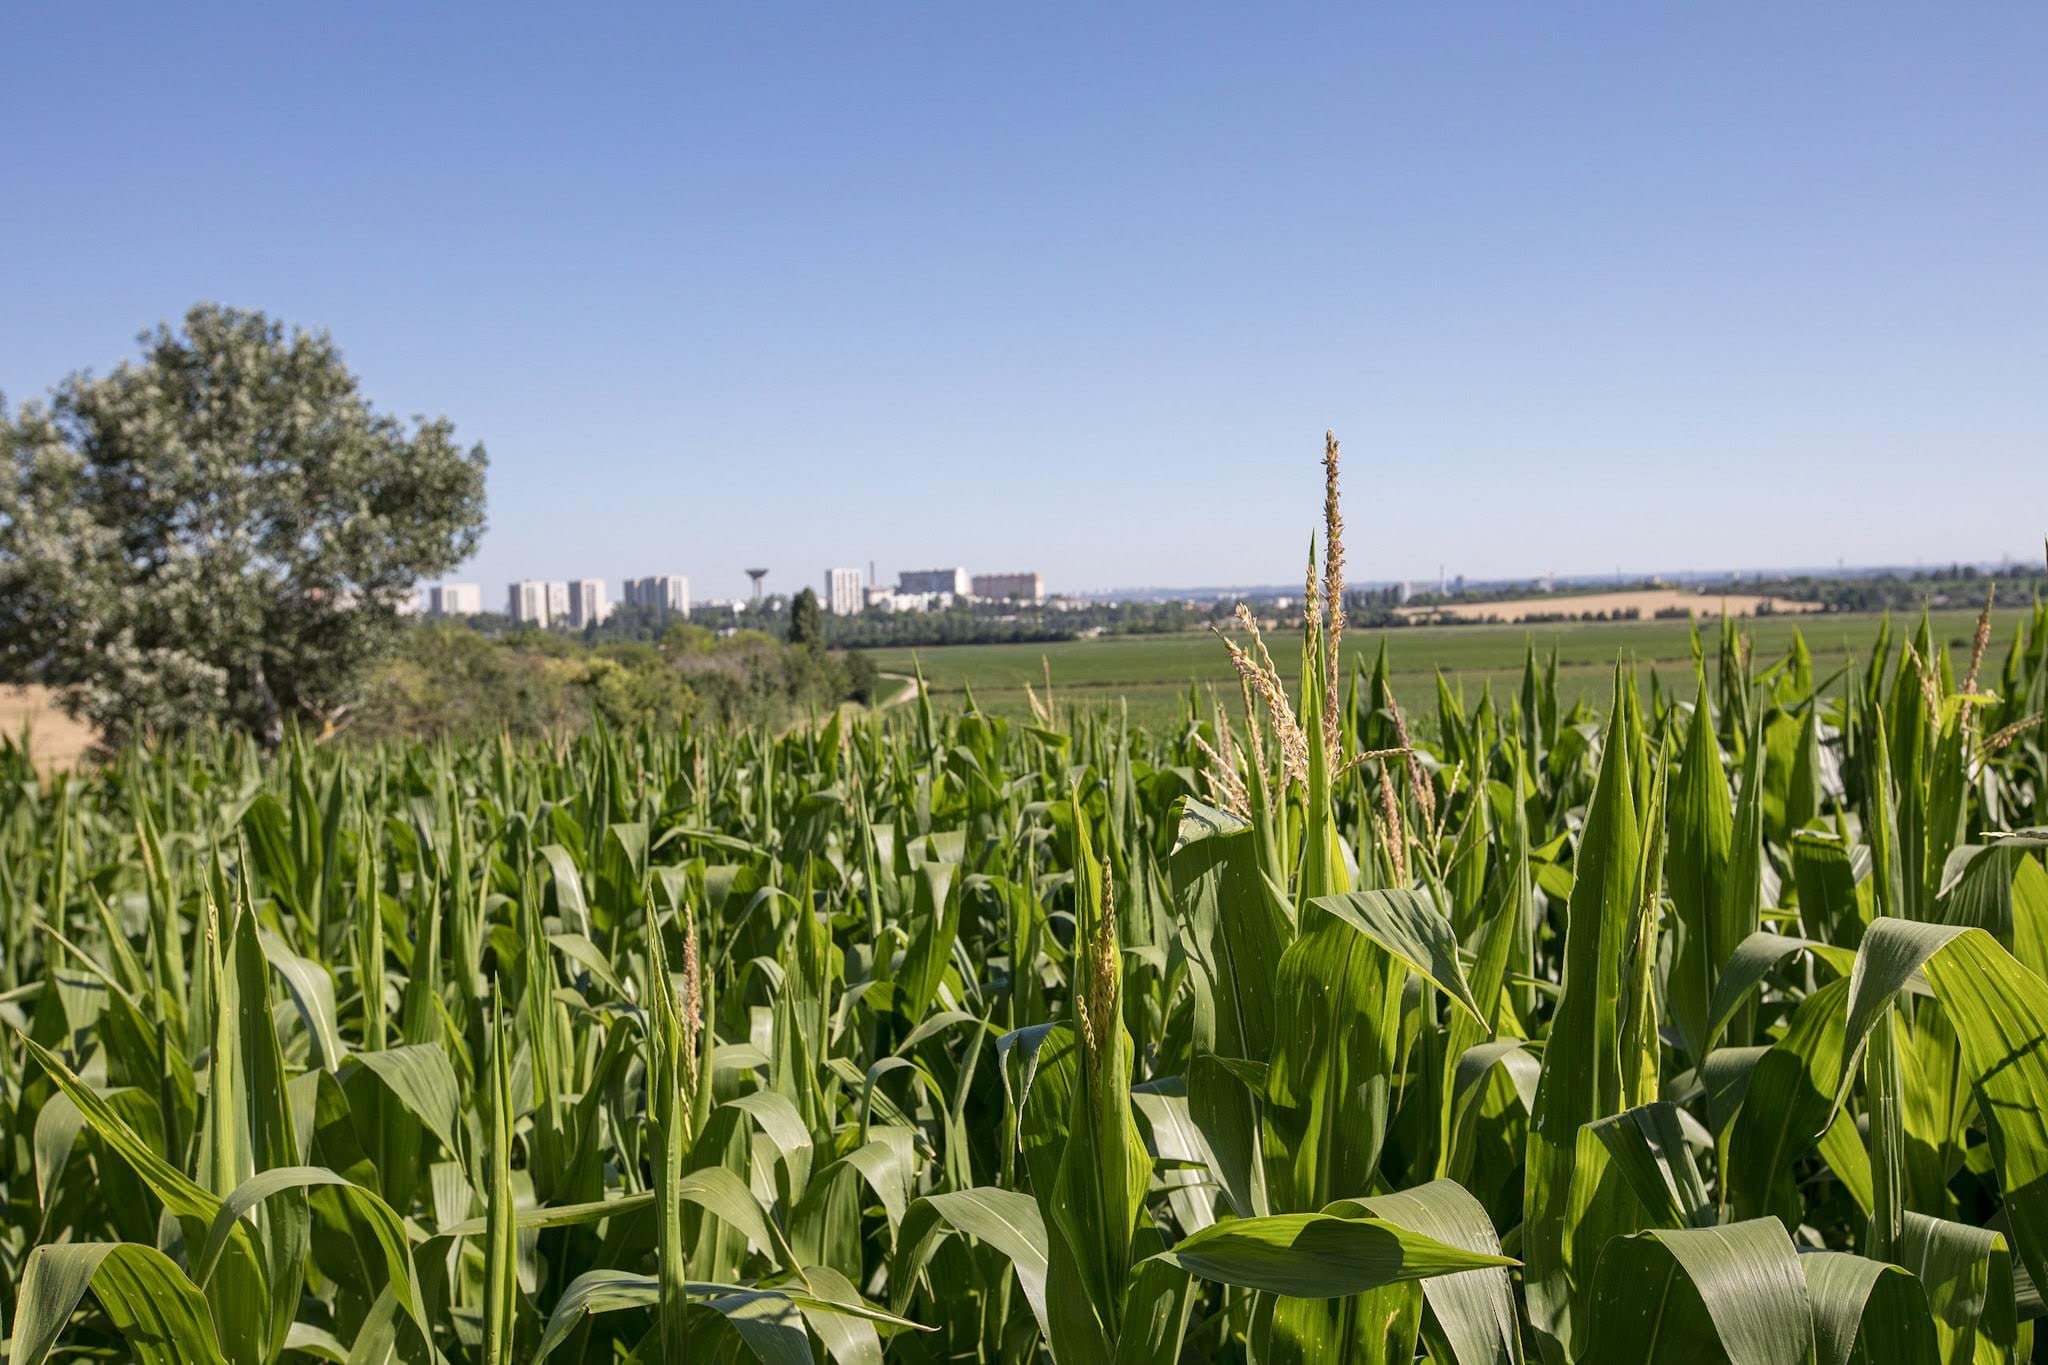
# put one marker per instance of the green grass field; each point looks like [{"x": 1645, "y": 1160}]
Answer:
[{"x": 1152, "y": 672}]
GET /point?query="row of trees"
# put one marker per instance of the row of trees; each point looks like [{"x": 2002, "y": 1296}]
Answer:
[{"x": 1955, "y": 585}]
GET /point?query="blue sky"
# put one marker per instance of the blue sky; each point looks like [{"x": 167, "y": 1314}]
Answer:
[{"x": 1077, "y": 288}]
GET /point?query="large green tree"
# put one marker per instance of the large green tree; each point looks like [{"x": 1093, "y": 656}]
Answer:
[
  {"x": 223, "y": 531},
  {"x": 806, "y": 620}
]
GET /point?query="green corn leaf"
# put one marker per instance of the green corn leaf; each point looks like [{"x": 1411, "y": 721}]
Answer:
[
  {"x": 1994, "y": 1005},
  {"x": 1702, "y": 825},
  {"x": 1405, "y": 923},
  {"x": 782, "y": 1125},
  {"x": 1008, "y": 1221},
  {"x": 159, "y": 1314},
  {"x": 500, "y": 1301},
  {"x": 1095, "y": 1204},
  {"x": 591, "y": 958},
  {"x": 1738, "y": 911},
  {"x": 727, "y": 1196},
  {"x": 849, "y": 1337},
  {"x": 1706, "y": 1296},
  {"x": 1581, "y": 1078},
  {"x": 1236, "y": 931},
  {"x": 420, "y": 1078},
  {"x": 240, "y": 1295},
  {"x": 556, "y": 1215},
  {"x": 934, "y": 926},
  {"x": 1647, "y": 1146},
  {"x": 568, "y": 885},
  {"x": 1867, "y": 1312},
  {"x": 767, "y": 1323},
  {"x": 1967, "y": 1275},
  {"x": 1319, "y": 1255},
  {"x": 386, "y": 1231},
  {"x": 1512, "y": 1058},
  {"x": 1831, "y": 908},
  {"x": 1785, "y": 1106},
  {"x": 1752, "y": 962},
  {"x": 312, "y": 991},
  {"x": 1471, "y": 1316}
]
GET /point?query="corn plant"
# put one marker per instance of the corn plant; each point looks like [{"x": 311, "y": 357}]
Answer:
[{"x": 1703, "y": 1027}]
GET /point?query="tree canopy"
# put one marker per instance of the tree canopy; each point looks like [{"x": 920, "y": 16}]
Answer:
[
  {"x": 806, "y": 620},
  {"x": 222, "y": 531}
]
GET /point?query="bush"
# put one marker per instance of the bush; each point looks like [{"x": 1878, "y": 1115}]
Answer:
[
  {"x": 447, "y": 680},
  {"x": 861, "y": 677}
]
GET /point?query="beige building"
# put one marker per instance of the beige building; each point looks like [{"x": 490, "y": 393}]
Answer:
[
  {"x": 668, "y": 594},
  {"x": 587, "y": 602},
  {"x": 455, "y": 599},
  {"x": 845, "y": 592},
  {"x": 527, "y": 601}
]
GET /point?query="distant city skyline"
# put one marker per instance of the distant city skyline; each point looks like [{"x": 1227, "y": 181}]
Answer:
[
  {"x": 1082, "y": 287},
  {"x": 453, "y": 595}
]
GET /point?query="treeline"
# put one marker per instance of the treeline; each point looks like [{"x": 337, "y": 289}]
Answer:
[
  {"x": 1954, "y": 585},
  {"x": 1007, "y": 623},
  {"x": 449, "y": 680},
  {"x": 964, "y": 623}
]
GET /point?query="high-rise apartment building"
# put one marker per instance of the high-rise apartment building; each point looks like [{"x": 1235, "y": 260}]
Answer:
[
  {"x": 1021, "y": 587},
  {"x": 844, "y": 592},
  {"x": 668, "y": 594},
  {"x": 558, "y": 602},
  {"x": 586, "y": 602},
  {"x": 526, "y": 602},
  {"x": 933, "y": 580},
  {"x": 455, "y": 599}
]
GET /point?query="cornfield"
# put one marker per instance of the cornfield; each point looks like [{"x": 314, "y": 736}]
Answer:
[{"x": 1707, "y": 1027}]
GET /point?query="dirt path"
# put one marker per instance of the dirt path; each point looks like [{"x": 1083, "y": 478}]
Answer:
[
  {"x": 903, "y": 695},
  {"x": 852, "y": 711}
]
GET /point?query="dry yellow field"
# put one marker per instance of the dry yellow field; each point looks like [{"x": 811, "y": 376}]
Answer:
[
  {"x": 1646, "y": 602},
  {"x": 55, "y": 740}
]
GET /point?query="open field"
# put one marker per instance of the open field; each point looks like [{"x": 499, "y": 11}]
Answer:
[
  {"x": 1645, "y": 602},
  {"x": 55, "y": 739},
  {"x": 1152, "y": 672}
]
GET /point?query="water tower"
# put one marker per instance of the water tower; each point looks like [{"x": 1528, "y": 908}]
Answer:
[{"x": 757, "y": 575}]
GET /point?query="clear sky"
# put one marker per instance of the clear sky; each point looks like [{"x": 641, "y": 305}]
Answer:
[{"x": 1077, "y": 288}]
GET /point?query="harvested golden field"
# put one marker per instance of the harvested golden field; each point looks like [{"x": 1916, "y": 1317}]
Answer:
[
  {"x": 55, "y": 739},
  {"x": 1646, "y": 603}
]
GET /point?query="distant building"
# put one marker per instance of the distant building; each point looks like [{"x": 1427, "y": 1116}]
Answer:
[
  {"x": 558, "y": 603},
  {"x": 587, "y": 604},
  {"x": 1016, "y": 587},
  {"x": 934, "y": 580},
  {"x": 885, "y": 599},
  {"x": 844, "y": 592},
  {"x": 526, "y": 602},
  {"x": 455, "y": 599},
  {"x": 666, "y": 594}
]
